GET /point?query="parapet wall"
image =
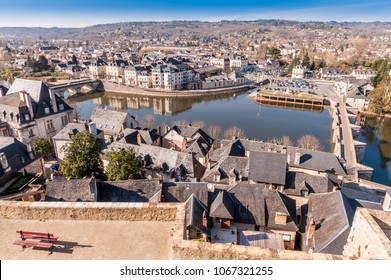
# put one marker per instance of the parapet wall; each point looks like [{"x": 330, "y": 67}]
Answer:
[{"x": 88, "y": 211}]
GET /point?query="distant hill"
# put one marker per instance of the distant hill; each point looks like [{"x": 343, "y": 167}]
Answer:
[{"x": 173, "y": 29}]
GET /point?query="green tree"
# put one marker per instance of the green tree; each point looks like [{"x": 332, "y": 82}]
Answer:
[
  {"x": 382, "y": 67},
  {"x": 74, "y": 60},
  {"x": 123, "y": 165},
  {"x": 306, "y": 60},
  {"x": 43, "y": 146},
  {"x": 274, "y": 53},
  {"x": 294, "y": 62},
  {"x": 82, "y": 157}
]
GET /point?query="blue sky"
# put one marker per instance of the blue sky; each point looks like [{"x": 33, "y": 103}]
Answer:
[{"x": 78, "y": 13}]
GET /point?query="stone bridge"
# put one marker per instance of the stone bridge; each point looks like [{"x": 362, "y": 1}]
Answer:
[{"x": 74, "y": 88}]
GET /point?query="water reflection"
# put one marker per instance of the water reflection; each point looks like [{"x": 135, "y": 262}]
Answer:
[
  {"x": 164, "y": 106},
  {"x": 376, "y": 132}
]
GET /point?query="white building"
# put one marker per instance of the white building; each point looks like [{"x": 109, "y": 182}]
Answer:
[
  {"x": 298, "y": 72},
  {"x": 115, "y": 70},
  {"x": 365, "y": 74},
  {"x": 32, "y": 110}
]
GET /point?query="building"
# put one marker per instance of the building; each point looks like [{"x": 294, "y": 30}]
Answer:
[
  {"x": 170, "y": 76},
  {"x": 64, "y": 136},
  {"x": 115, "y": 70},
  {"x": 370, "y": 237},
  {"x": 14, "y": 155},
  {"x": 97, "y": 69},
  {"x": 130, "y": 191},
  {"x": 298, "y": 72},
  {"x": 252, "y": 209},
  {"x": 365, "y": 74},
  {"x": 32, "y": 110},
  {"x": 112, "y": 123},
  {"x": 72, "y": 190},
  {"x": 326, "y": 223}
]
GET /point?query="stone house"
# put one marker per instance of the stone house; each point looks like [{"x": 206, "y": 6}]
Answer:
[{"x": 31, "y": 109}]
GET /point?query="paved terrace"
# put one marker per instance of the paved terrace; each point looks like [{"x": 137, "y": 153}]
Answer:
[{"x": 92, "y": 231}]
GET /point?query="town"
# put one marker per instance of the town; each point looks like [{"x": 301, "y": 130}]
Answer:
[{"x": 184, "y": 190}]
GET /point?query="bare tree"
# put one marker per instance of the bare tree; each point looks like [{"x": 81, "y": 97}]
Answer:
[
  {"x": 180, "y": 122},
  {"x": 234, "y": 131},
  {"x": 200, "y": 124},
  {"x": 309, "y": 142},
  {"x": 76, "y": 112},
  {"x": 284, "y": 140},
  {"x": 214, "y": 132},
  {"x": 148, "y": 121}
]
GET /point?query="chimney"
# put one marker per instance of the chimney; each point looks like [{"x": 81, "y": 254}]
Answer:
[
  {"x": 288, "y": 158},
  {"x": 4, "y": 163},
  {"x": 138, "y": 139},
  {"x": 297, "y": 156},
  {"x": 53, "y": 101},
  {"x": 247, "y": 153},
  {"x": 387, "y": 200},
  {"x": 25, "y": 97},
  {"x": 30, "y": 150},
  {"x": 310, "y": 227},
  {"x": 92, "y": 128},
  {"x": 159, "y": 130}
]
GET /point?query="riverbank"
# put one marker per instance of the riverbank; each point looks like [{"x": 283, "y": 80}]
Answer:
[
  {"x": 113, "y": 87},
  {"x": 366, "y": 113}
]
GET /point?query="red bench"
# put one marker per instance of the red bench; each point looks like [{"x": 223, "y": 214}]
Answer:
[
  {"x": 35, "y": 239},
  {"x": 34, "y": 243},
  {"x": 36, "y": 235}
]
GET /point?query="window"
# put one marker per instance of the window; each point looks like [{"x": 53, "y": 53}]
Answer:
[
  {"x": 47, "y": 111},
  {"x": 27, "y": 117},
  {"x": 31, "y": 132},
  {"x": 49, "y": 125},
  {"x": 64, "y": 120},
  {"x": 286, "y": 237},
  {"x": 61, "y": 107}
]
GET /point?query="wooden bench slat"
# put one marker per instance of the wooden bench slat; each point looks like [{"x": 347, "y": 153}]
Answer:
[
  {"x": 34, "y": 244},
  {"x": 39, "y": 237},
  {"x": 35, "y": 233}
]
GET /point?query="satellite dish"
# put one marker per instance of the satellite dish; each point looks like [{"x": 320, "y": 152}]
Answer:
[{"x": 66, "y": 94}]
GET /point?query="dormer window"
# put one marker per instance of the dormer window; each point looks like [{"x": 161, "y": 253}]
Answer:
[
  {"x": 47, "y": 110},
  {"x": 27, "y": 117},
  {"x": 280, "y": 218},
  {"x": 61, "y": 107}
]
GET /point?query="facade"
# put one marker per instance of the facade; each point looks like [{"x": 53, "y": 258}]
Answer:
[
  {"x": 298, "y": 72},
  {"x": 115, "y": 70},
  {"x": 365, "y": 74},
  {"x": 32, "y": 110},
  {"x": 98, "y": 69},
  {"x": 172, "y": 77},
  {"x": 64, "y": 136}
]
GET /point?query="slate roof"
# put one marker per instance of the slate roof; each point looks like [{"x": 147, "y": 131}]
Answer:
[
  {"x": 39, "y": 93},
  {"x": 229, "y": 166},
  {"x": 3, "y": 90},
  {"x": 316, "y": 160},
  {"x": 222, "y": 206},
  {"x": 73, "y": 190},
  {"x": 71, "y": 128},
  {"x": 333, "y": 218},
  {"x": 15, "y": 152},
  {"x": 254, "y": 204},
  {"x": 267, "y": 167},
  {"x": 297, "y": 181},
  {"x": 182, "y": 191},
  {"x": 147, "y": 136},
  {"x": 129, "y": 191},
  {"x": 194, "y": 210},
  {"x": 109, "y": 121},
  {"x": 161, "y": 157}
]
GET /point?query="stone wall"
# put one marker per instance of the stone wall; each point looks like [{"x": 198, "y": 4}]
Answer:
[
  {"x": 88, "y": 211},
  {"x": 366, "y": 239}
]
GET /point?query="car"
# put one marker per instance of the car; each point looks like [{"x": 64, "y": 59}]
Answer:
[{"x": 55, "y": 167}]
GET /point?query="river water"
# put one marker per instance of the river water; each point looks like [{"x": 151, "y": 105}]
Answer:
[{"x": 258, "y": 121}]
